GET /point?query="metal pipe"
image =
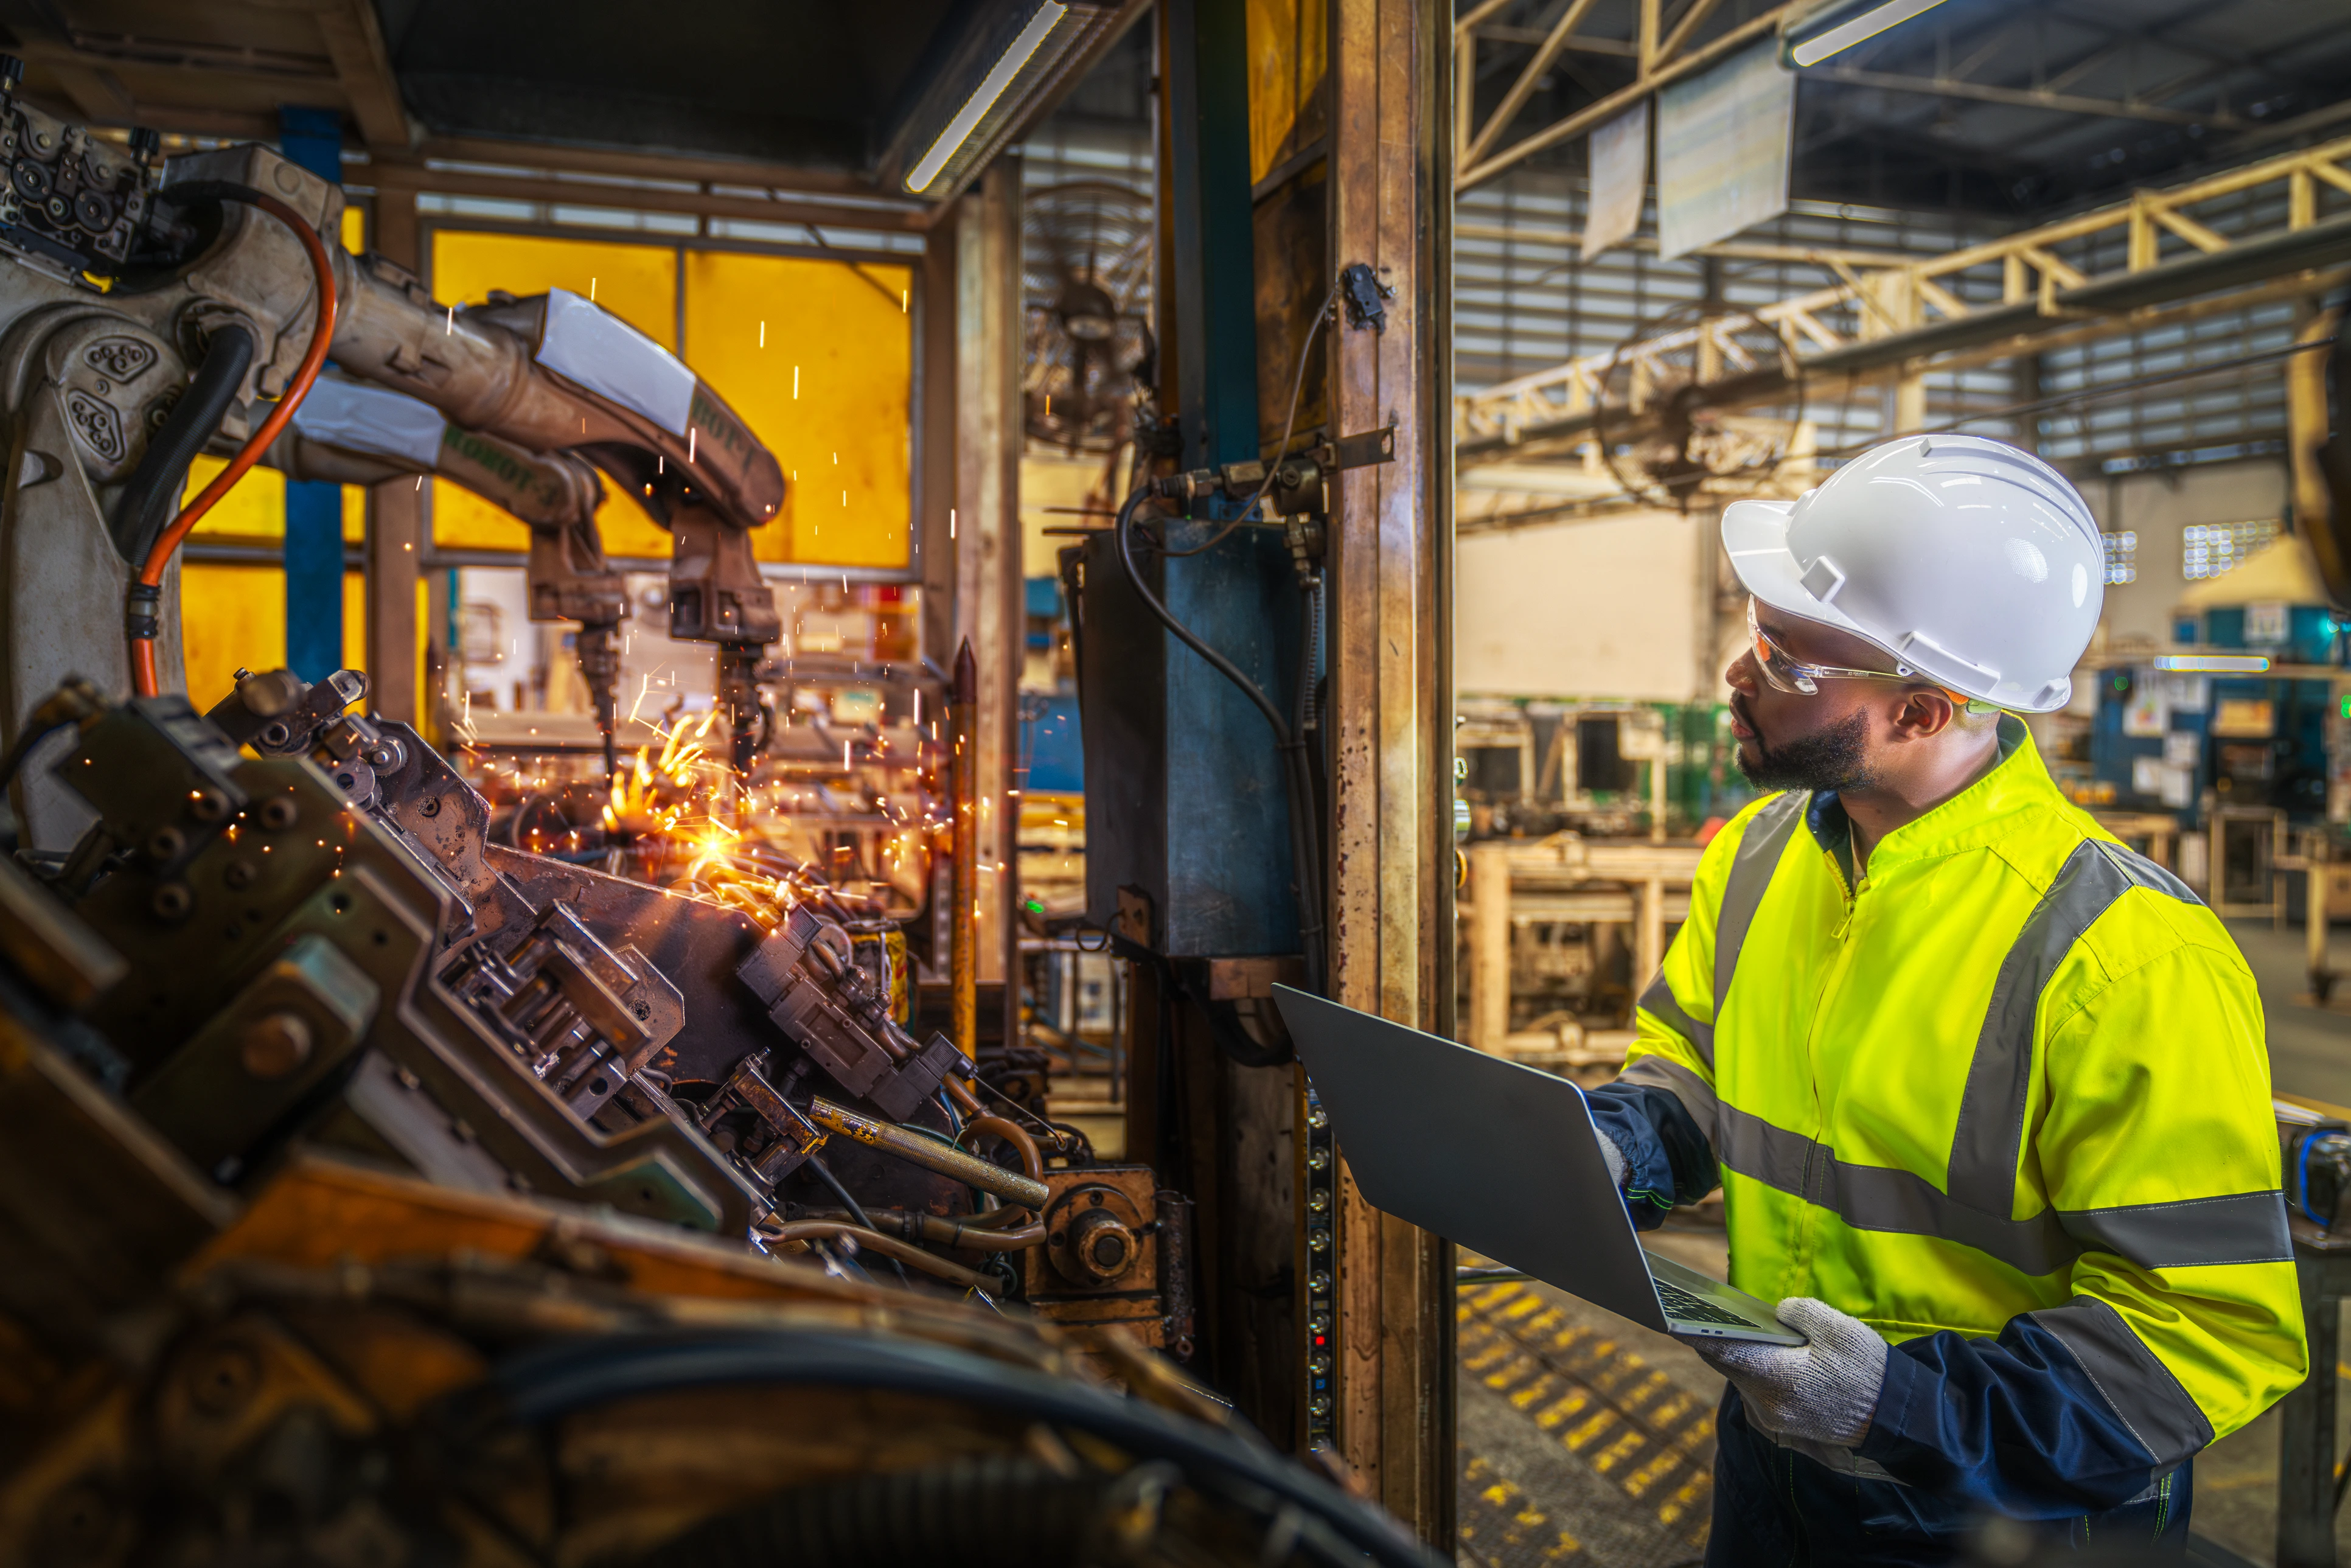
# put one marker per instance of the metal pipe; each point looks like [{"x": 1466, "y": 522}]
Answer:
[
  {"x": 963, "y": 921},
  {"x": 1011, "y": 1133},
  {"x": 944, "y": 1158},
  {"x": 966, "y": 1233},
  {"x": 888, "y": 1245}
]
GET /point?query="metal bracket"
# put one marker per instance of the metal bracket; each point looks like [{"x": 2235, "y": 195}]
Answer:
[{"x": 1365, "y": 294}]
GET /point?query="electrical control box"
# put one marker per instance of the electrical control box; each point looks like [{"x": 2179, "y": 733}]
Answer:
[{"x": 1183, "y": 786}]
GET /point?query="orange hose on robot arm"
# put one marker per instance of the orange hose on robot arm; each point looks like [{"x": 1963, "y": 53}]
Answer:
[{"x": 145, "y": 594}]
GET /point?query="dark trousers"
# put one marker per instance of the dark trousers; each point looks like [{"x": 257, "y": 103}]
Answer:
[{"x": 1775, "y": 1508}]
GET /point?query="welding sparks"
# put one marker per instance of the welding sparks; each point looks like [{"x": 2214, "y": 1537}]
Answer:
[
  {"x": 951, "y": 522},
  {"x": 591, "y": 290},
  {"x": 763, "y": 334},
  {"x": 796, "y": 383},
  {"x": 690, "y": 433},
  {"x": 449, "y": 328}
]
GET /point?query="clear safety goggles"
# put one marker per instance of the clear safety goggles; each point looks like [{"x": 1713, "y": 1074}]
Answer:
[{"x": 1790, "y": 674}]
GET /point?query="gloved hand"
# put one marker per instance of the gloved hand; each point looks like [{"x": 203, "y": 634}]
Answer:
[
  {"x": 1616, "y": 1158},
  {"x": 1824, "y": 1391}
]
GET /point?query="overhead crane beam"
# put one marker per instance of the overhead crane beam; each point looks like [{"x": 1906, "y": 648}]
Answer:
[{"x": 1896, "y": 320}]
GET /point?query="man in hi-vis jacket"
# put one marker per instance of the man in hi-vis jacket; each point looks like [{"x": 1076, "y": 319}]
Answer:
[{"x": 1986, "y": 1093}]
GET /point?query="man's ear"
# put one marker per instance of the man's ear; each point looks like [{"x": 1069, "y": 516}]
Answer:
[{"x": 1925, "y": 712}]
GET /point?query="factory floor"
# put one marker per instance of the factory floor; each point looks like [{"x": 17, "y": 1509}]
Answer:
[{"x": 1586, "y": 1440}]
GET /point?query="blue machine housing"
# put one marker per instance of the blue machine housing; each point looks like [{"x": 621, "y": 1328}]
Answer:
[{"x": 1183, "y": 786}]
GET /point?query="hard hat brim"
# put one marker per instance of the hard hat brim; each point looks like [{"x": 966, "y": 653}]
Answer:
[{"x": 1755, "y": 534}]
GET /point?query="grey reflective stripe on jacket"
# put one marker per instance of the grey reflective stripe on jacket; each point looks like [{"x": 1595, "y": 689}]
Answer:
[
  {"x": 1973, "y": 1206},
  {"x": 1760, "y": 848},
  {"x": 1989, "y": 1139},
  {"x": 1759, "y": 852},
  {"x": 1659, "y": 999},
  {"x": 2140, "y": 1390}
]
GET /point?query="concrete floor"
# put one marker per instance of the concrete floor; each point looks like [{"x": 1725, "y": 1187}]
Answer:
[{"x": 1585, "y": 1439}]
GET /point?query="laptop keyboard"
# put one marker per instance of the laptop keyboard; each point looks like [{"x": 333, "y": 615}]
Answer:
[{"x": 1680, "y": 1303}]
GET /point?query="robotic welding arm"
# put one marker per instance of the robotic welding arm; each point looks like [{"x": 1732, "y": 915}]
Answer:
[
  {"x": 556, "y": 373},
  {"x": 349, "y": 433},
  {"x": 127, "y": 287}
]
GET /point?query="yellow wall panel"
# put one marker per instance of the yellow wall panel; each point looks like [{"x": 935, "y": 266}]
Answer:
[
  {"x": 230, "y": 616},
  {"x": 233, "y": 617},
  {"x": 1288, "y": 59},
  {"x": 844, "y": 441},
  {"x": 354, "y": 620},
  {"x": 256, "y": 508},
  {"x": 354, "y": 229},
  {"x": 638, "y": 283}
]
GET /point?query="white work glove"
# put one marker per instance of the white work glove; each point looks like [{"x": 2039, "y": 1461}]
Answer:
[
  {"x": 1616, "y": 1158},
  {"x": 1824, "y": 1391}
]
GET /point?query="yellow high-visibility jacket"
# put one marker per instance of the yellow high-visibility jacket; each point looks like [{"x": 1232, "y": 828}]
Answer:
[{"x": 2014, "y": 1084}]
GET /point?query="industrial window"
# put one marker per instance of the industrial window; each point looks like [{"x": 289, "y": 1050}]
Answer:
[
  {"x": 2207, "y": 550},
  {"x": 2122, "y": 557}
]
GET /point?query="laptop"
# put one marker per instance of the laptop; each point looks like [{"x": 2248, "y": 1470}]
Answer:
[{"x": 1500, "y": 1157}]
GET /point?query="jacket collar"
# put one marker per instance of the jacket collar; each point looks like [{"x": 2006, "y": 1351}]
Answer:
[{"x": 1979, "y": 815}]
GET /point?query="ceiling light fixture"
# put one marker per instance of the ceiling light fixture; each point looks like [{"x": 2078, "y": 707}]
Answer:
[
  {"x": 1832, "y": 29},
  {"x": 2212, "y": 663},
  {"x": 983, "y": 98}
]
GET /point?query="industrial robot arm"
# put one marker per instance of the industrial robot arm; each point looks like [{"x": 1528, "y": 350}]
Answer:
[
  {"x": 149, "y": 309},
  {"x": 349, "y": 433},
  {"x": 557, "y": 372}
]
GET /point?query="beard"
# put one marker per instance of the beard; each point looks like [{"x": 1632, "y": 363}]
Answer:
[{"x": 1833, "y": 759}]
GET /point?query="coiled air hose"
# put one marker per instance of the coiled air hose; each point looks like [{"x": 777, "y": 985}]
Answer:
[
  {"x": 992, "y": 1512},
  {"x": 144, "y": 598},
  {"x": 1321, "y": 1522}
]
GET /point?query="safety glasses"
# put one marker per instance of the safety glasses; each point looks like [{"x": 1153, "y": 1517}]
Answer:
[{"x": 1792, "y": 676}]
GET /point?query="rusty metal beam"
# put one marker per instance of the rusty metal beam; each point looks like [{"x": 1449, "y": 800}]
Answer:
[
  {"x": 354, "y": 42},
  {"x": 414, "y": 175},
  {"x": 1391, "y": 704},
  {"x": 986, "y": 542}
]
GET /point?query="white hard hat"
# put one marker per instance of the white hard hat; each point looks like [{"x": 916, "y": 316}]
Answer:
[{"x": 1973, "y": 563}]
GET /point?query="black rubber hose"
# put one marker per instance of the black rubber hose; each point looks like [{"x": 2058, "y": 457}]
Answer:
[
  {"x": 991, "y": 1511},
  {"x": 550, "y": 1381},
  {"x": 1305, "y": 869},
  {"x": 146, "y": 499}
]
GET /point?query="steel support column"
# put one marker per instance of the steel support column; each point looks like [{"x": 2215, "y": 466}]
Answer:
[
  {"x": 396, "y": 522},
  {"x": 1391, "y": 703},
  {"x": 986, "y": 543},
  {"x": 1214, "y": 285}
]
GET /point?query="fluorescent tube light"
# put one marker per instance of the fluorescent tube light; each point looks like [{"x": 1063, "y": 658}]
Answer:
[
  {"x": 2213, "y": 663},
  {"x": 984, "y": 97},
  {"x": 1813, "y": 50}
]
